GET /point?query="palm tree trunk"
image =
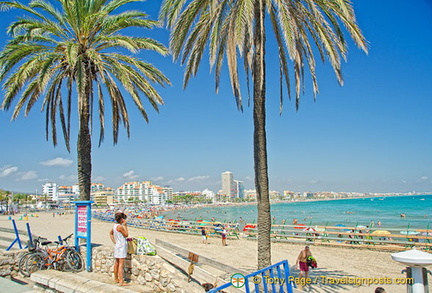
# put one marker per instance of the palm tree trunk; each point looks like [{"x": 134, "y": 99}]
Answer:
[
  {"x": 84, "y": 147},
  {"x": 260, "y": 144}
]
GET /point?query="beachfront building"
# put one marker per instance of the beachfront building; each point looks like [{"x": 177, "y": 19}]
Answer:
[
  {"x": 275, "y": 195},
  {"x": 228, "y": 186},
  {"x": 103, "y": 197},
  {"x": 168, "y": 192},
  {"x": 239, "y": 189},
  {"x": 287, "y": 194},
  {"x": 49, "y": 190},
  {"x": 143, "y": 191},
  {"x": 209, "y": 194},
  {"x": 69, "y": 193},
  {"x": 250, "y": 194},
  {"x": 66, "y": 194},
  {"x": 75, "y": 189},
  {"x": 96, "y": 187}
]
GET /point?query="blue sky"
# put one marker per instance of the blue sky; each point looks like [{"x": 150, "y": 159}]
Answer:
[{"x": 374, "y": 134}]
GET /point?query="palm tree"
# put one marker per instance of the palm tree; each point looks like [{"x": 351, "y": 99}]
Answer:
[
  {"x": 234, "y": 28},
  {"x": 78, "y": 51}
]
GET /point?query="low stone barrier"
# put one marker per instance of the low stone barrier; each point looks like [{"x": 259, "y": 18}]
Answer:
[
  {"x": 9, "y": 262},
  {"x": 150, "y": 271}
]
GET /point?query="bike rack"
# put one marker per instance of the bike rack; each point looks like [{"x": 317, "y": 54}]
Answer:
[{"x": 17, "y": 236}]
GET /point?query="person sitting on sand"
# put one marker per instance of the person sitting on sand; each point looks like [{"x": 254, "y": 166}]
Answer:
[
  {"x": 301, "y": 262},
  {"x": 118, "y": 235}
]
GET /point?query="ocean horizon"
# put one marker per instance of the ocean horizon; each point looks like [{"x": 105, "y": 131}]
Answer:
[{"x": 349, "y": 212}]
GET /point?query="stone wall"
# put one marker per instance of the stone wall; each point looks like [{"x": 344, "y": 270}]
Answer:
[
  {"x": 152, "y": 272},
  {"x": 9, "y": 262}
]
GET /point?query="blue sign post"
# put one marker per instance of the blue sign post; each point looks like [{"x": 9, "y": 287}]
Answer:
[{"x": 83, "y": 228}]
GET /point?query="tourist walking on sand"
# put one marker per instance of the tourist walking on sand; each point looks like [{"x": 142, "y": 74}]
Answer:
[
  {"x": 301, "y": 262},
  {"x": 204, "y": 235},
  {"x": 224, "y": 236},
  {"x": 118, "y": 235}
]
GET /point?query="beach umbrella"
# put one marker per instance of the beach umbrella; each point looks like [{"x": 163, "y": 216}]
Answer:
[
  {"x": 249, "y": 226},
  {"x": 309, "y": 229},
  {"x": 380, "y": 233}
]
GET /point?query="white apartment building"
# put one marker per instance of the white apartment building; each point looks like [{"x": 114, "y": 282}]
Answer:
[
  {"x": 141, "y": 191},
  {"x": 209, "y": 194},
  {"x": 66, "y": 194},
  {"x": 50, "y": 190}
]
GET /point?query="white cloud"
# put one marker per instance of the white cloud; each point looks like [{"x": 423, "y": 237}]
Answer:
[
  {"x": 130, "y": 175},
  {"x": 29, "y": 175},
  {"x": 423, "y": 178},
  {"x": 180, "y": 179},
  {"x": 198, "y": 178},
  {"x": 70, "y": 178},
  {"x": 98, "y": 179},
  {"x": 62, "y": 162},
  {"x": 8, "y": 170},
  {"x": 159, "y": 178}
]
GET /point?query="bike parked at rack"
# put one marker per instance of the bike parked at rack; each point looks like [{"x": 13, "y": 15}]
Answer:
[{"x": 64, "y": 257}]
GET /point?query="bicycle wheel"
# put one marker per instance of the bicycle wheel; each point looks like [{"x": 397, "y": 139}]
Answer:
[
  {"x": 74, "y": 260},
  {"x": 22, "y": 264},
  {"x": 34, "y": 263}
]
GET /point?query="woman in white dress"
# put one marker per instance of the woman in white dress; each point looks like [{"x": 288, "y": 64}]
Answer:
[{"x": 118, "y": 236}]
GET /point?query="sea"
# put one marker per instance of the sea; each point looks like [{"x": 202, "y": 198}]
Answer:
[{"x": 349, "y": 212}]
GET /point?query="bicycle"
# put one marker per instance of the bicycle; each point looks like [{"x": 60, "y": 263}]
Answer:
[
  {"x": 63, "y": 257},
  {"x": 32, "y": 247}
]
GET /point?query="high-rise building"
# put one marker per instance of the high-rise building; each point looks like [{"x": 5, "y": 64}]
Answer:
[
  {"x": 228, "y": 187},
  {"x": 239, "y": 188}
]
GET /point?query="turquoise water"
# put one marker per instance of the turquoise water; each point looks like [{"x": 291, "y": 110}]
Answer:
[{"x": 349, "y": 212}]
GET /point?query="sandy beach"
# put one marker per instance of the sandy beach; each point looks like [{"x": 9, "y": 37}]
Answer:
[{"x": 334, "y": 264}]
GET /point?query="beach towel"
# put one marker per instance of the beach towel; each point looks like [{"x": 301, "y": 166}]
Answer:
[
  {"x": 311, "y": 261},
  {"x": 144, "y": 247}
]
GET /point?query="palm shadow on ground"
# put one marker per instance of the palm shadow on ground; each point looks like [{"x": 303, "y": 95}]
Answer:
[{"x": 328, "y": 281}]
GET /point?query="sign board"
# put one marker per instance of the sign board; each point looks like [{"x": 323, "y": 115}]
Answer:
[
  {"x": 82, "y": 221},
  {"x": 83, "y": 228},
  {"x": 193, "y": 257}
]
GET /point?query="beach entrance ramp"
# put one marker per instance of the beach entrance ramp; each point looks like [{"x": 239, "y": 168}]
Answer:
[{"x": 272, "y": 279}]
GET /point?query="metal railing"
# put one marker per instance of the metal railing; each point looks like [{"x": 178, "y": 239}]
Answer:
[{"x": 272, "y": 279}]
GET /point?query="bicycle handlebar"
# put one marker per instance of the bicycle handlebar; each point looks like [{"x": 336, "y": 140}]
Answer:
[
  {"x": 40, "y": 238},
  {"x": 67, "y": 238}
]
